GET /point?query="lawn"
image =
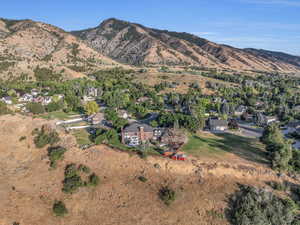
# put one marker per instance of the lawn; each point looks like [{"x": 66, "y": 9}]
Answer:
[
  {"x": 216, "y": 146},
  {"x": 58, "y": 115},
  {"x": 82, "y": 137}
]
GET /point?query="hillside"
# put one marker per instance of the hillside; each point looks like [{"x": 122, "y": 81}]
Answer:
[
  {"x": 28, "y": 186},
  {"x": 26, "y": 45},
  {"x": 136, "y": 44}
]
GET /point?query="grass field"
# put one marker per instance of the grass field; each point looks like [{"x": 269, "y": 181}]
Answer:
[
  {"x": 58, "y": 115},
  {"x": 82, "y": 137},
  {"x": 218, "y": 145}
]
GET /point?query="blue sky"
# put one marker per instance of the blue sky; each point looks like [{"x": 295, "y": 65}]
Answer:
[{"x": 268, "y": 24}]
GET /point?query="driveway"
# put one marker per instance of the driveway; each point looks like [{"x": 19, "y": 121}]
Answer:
[{"x": 250, "y": 131}]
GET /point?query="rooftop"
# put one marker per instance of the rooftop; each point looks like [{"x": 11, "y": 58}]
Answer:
[{"x": 135, "y": 127}]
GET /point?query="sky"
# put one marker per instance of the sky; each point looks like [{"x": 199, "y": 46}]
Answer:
[{"x": 266, "y": 24}]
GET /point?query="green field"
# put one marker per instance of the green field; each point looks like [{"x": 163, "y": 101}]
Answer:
[
  {"x": 82, "y": 137},
  {"x": 216, "y": 146},
  {"x": 58, "y": 115}
]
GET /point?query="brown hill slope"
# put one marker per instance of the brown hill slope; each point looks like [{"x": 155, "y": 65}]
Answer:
[
  {"x": 135, "y": 44},
  {"x": 28, "y": 187},
  {"x": 26, "y": 44}
]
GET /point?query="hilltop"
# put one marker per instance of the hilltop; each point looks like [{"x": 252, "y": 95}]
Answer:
[
  {"x": 29, "y": 187},
  {"x": 139, "y": 45}
]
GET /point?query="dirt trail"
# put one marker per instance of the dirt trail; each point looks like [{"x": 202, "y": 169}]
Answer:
[{"x": 28, "y": 187}]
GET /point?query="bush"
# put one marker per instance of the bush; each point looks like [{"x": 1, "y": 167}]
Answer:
[
  {"x": 54, "y": 154},
  {"x": 71, "y": 184},
  {"x": 35, "y": 108},
  {"x": 93, "y": 180},
  {"x": 22, "y": 138},
  {"x": 143, "y": 179},
  {"x": 84, "y": 168},
  {"x": 70, "y": 170},
  {"x": 59, "y": 208},
  {"x": 3, "y": 109},
  {"x": 167, "y": 195},
  {"x": 252, "y": 206}
]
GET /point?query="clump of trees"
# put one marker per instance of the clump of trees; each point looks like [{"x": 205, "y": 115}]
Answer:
[
  {"x": 45, "y": 136},
  {"x": 73, "y": 179},
  {"x": 55, "y": 154},
  {"x": 91, "y": 108},
  {"x": 283, "y": 157},
  {"x": 252, "y": 206},
  {"x": 59, "y": 208}
]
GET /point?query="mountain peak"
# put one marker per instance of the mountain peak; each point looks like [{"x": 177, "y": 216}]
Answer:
[{"x": 132, "y": 43}]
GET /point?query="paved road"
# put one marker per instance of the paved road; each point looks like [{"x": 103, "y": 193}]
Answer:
[{"x": 249, "y": 131}]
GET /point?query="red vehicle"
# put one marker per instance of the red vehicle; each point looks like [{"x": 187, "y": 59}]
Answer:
[{"x": 179, "y": 156}]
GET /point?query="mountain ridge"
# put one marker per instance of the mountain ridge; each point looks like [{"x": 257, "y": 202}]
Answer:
[
  {"x": 136, "y": 44},
  {"x": 26, "y": 45}
]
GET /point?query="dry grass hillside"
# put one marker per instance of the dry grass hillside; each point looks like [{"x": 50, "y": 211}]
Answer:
[
  {"x": 28, "y": 187},
  {"x": 26, "y": 44},
  {"x": 136, "y": 44}
]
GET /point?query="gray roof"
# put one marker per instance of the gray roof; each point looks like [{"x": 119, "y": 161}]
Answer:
[
  {"x": 241, "y": 108},
  {"x": 216, "y": 122},
  {"x": 135, "y": 127}
]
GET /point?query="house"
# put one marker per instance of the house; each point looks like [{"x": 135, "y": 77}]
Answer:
[
  {"x": 240, "y": 110},
  {"x": 137, "y": 133},
  {"x": 270, "y": 119},
  {"x": 39, "y": 99},
  {"x": 297, "y": 109},
  {"x": 35, "y": 92},
  {"x": 26, "y": 98},
  {"x": 247, "y": 117},
  {"x": 143, "y": 99},
  {"x": 123, "y": 114},
  {"x": 93, "y": 92},
  {"x": 47, "y": 100},
  {"x": 7, "y": 100},
  {"x": 88, "y": 98},
  {"x": 97, "y": 118},
  {"x": 217, "y": 125},
  {"x": 263, "y": 120}
]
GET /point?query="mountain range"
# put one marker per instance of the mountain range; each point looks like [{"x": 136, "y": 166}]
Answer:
[{"x": 26, "y": 45}]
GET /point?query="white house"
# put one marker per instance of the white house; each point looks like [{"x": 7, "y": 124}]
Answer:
[
  {"x": 47, "y": 100},
  {"x": 7, "y": 100},
  {"x": 26, "y": 98},
  {"x": 34, "y": 92}
]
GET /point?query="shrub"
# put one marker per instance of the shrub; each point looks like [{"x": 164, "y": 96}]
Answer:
[
  {"x": 54, "y": 154},
  {"x": 3, "y": 109},
  {"x": 167, "y": 195},
  {"x": 71, "y": 184},
  {"x": 142, "y": 179},
  {"x": 93, "y": 180},
  {"x": 22, "y": 138},
  {"x": 84, "y": 168},
  {"x": 59, "y": 208},
  {"x": 70, "y": 170}
]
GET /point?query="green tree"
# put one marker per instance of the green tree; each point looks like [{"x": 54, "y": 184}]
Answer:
[
  {"x": 91, "y": 108},
  {"x": 59, "y": 208}
]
